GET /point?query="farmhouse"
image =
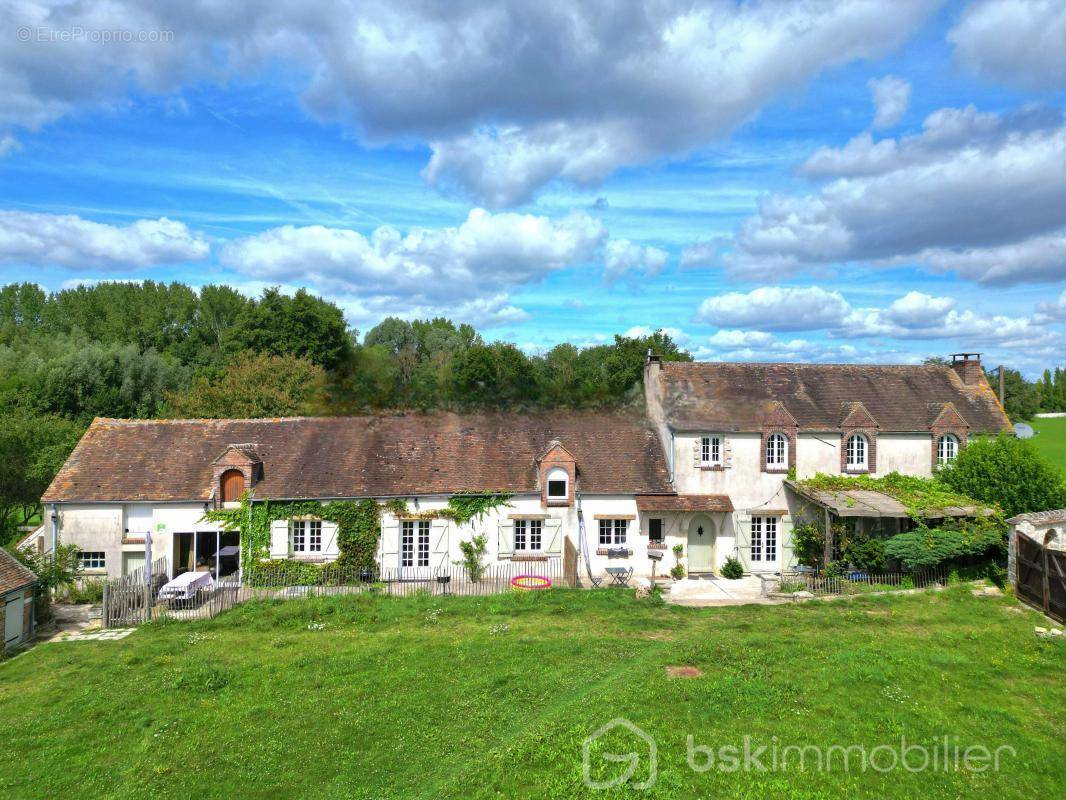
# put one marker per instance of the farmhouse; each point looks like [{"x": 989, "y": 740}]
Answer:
[{"x": 706, "y": 466}]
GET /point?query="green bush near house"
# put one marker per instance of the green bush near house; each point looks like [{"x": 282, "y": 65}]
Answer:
[
  {"x": 732, "y": 569},
  {"x": 494, "y": 697}
]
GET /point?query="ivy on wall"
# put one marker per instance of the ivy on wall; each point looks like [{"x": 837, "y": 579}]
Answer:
[{"x": 358, "y": 521}]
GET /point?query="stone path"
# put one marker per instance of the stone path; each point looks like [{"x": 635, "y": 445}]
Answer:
[
  {"x": 715, "y": 591},
  {"x": 96, "y": 635}
]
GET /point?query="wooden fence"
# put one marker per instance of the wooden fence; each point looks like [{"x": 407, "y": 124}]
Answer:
[
  {"x": 1040, "y": 578},
  {"x": 132, "y": 600}
]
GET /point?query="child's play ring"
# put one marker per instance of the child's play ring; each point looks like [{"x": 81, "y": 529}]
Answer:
[{"x": 530, "y": 583}]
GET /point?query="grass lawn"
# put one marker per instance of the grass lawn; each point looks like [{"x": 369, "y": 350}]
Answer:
[
  {"x": 1051, "y": 439},
  {"x": 372, "y": 697}
]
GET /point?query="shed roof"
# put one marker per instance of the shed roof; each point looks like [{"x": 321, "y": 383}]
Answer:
[
  {"x": 713, "y": 503},
  {"x": 740, "y": 396},
  {"x": 13, "y": 573},
  {"x": 871, "y": 503},
  {"x": 373, "y": 456},
  {"x": 1052, "y": 517}
]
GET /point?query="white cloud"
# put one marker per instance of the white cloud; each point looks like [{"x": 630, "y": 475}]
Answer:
[
  {"x": 891, "y": 96},
  {"x": 775, "y": 308},
  {"x": 913, "y": 316},
  {"x": 622, "y": 257},
  {"x": 1016, "y": 42},
  {"x": 34, "y": 239},
  {"x": 511, "y": 95},
  {"x": 700, "y": 254},
  {"x": 487, "y": 253},
  {"x": 985, "y": 192},
  {"x": 8, "y": 144},
  {"x": 641, "y": 331},
  {"x": 747, "y": 345},
  {"x": 1053, "y": 310}
]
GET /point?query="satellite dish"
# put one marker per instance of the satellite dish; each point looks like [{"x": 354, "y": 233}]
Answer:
[{"x": 1023, "y": 431}]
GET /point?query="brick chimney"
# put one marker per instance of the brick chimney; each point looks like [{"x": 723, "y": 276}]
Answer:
[{"x": 968, "y": 367}]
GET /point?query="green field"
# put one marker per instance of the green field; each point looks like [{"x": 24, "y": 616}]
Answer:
[
  {"x": 372, "y": 697},
  {"x": 1051, "y": 439}
]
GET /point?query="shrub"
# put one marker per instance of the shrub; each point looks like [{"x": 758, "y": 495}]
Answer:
[
  {"x": 473, "y": 552},
  {"x": 678, "y": 571},
  {"x": 808, "y": 542},
  {"x": 865, "y": 553},
  {"x": 86, "y": 592},
  {"x": 732, "y": 569},
  {"x": 924, "y": 548},
  {"x": 1008, "y": 472}
]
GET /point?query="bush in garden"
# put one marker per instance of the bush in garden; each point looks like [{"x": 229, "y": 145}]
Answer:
[{"x": 732, "y": 569}]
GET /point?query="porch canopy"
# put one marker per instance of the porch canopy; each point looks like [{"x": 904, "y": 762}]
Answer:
[
  {"x": 870, "y": 503},
  {"x": 711, "y": 503}
]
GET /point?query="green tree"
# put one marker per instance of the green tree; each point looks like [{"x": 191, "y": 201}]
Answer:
[
  {"x": 1021, "y": 399},
  {"x": 32, "y": 449},
  {"x": 253, "y": 385},
  {"x": 1008, "y": 472},
  {"x": 302, "y": 325},
  {"x": 498, "y": 375}
]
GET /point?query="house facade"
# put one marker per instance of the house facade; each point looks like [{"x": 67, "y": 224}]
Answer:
[{"x": 704, "y": 466}]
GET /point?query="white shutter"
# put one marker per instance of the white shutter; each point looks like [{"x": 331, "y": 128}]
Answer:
[
  {"x": 279, "y": 538},
  {"x": 390, "y": 543},
  {"x": 330, "y": 547},
  {"x": 697, "y": 451},
  {"x": 552, "y": 530},
  {"x": 727, "y": 453},
  {"x": 505, "y": 539},
  {"x": 438, "y": 543},
  {"x": 744, "y": 540},
  {"x": 784, "y": 544}
]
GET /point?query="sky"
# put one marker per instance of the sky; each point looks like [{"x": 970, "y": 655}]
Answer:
[{"x": 858, "y": 181}]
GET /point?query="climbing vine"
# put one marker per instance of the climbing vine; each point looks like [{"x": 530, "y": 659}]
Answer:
[{"x": 358, "y": 521}]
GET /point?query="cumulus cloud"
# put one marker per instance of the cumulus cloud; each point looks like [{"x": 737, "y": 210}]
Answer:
[
  {"x": 622, "y": 257},
  {"x": 891, "y": 95},
  {"x": 1015, "y": 42},
  {"x": 510, "y": 95},
  {"x": 974, "y": 192},
  {"x": 1054, "y": 310},
  {"x": 484, "y": 256},
  {"x": 8, "y": 144},
  {"x": 747, "y": 345},
  {"x": 913, "y": 316},
  {"x": 775, "y": 308},
  {"x": 700, "y": 254},
  {"x": 34, "y": 239}
]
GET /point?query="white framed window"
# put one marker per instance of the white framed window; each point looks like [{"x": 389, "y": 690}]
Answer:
[
  {"x": 613, "y": 532},
  {"x": 92, "y": 559},
  {"x": 414, "y": 543},
  {"x": 528, "y": 535},
  {"x": 711, "y": 451},
  {"x": 777, "y": 450},
  {"x": 763, "y": 539},
  {"x": 947, "y": 447},
  {"x": 857, "y": 452},
  {"x": 558, "y": 484},
  {"x": 306, "y": 536}
]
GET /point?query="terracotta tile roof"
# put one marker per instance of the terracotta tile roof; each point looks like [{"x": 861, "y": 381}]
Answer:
[
  {"x": 13, "y": 575},
  {"x": 375, "y": 456},
  {"x": 737, "y": 397},
  {"x": 715, "y": 503}
]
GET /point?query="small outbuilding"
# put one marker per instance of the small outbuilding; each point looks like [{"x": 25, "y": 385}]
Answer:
[
  {"x": 1037, "y": 560},
  {"x": 16, "y": 597}
]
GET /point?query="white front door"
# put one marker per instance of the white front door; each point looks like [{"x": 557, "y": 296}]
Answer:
[
  {"x": 701, "y": 540},
  {"x": 13, "y": 619}
]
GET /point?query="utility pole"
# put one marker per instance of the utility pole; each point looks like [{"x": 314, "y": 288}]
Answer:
[{"x": 1001, "y": 384}]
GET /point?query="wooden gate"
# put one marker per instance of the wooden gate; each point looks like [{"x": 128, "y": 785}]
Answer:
[{"x": 1041, "y": 576}]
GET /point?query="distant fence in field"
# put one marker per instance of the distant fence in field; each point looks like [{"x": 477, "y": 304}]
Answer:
[
  {"x": 135, "y": 599},
  {"x": 854, "y": 582}
]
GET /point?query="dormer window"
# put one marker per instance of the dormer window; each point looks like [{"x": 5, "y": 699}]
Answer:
[
  {"x": 558, "y": 484},
  {"x": 711, "y": 451},
  {"x": 231, "y": 485},
  {"x": 857, "y": 453},
  {"x": 777, "y": 451},
  {"x": 947, "y": 447}
]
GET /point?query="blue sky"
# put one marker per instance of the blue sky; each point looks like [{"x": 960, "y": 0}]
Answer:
[{"x": 554, "y": 174}]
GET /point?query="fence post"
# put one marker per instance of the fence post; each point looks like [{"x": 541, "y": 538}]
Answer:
[
  {"x": 1047, "y": 579},
  {"x": 107, "y": 602}
]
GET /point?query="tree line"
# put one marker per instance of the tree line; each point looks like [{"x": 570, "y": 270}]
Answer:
[{"x": 143, "y": 350}]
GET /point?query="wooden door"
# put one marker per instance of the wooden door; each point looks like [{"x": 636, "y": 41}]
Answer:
[{"x": 232, "y": 485}]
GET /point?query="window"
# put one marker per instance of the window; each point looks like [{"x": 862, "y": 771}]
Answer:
[
  {"x": 613, "y": 532},
  {"x": 558, "y": 484},
  {"x": 947, "y": 447},
  {"x": 92, "y": 559},
  {"x": 777, "y": 450},
  {"x": 306, "y": 536},
  {"x": 528, "y": 534},
  {"x": 857, "y": 448},
  {"x": 414, "y": 543},
  {"x": 232, "y": 487},
  {"x": 763, "y": 539},
  {"x": 655, "y": 531},
  {"x": 711, "y": 451}
]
